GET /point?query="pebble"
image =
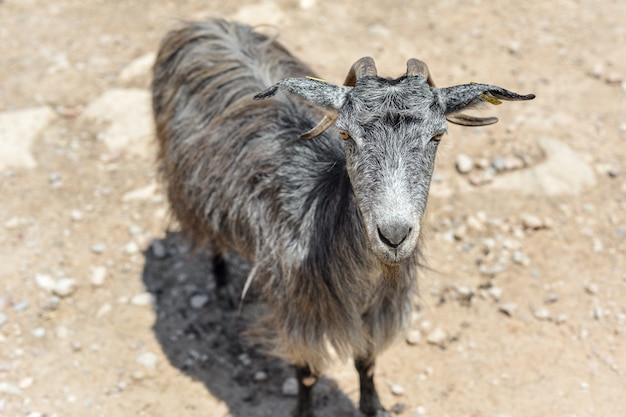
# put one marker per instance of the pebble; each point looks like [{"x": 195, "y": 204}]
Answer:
[
  {"x": 98, "y": 275},
  {"x": 147, "y": 359},
  {"x": 20, "y": 306},
  {"x": 290, "y": 387},
  {"x": 532, "y": 222},
  {"x": 142, "y": 299},
  {"x": 199, "y": 300},
  {"x": 7, "y": 388},
  {"x": 508, "y": 308},
  {"x": 131, "y": 248},
  {"x": 3, "y": 319},
  {"x": 464, "y": 163},
  {"x": 76, "y": 215},
  {"x": 542, "y": 313},
  {"x": 591, "y": 288},
  {"x": 396, "y": 389},
  {"x": 260, "y": 376},
  {"x": 98, "y": 248},
  {"x": 39, "y": 332},
  {"x": 437, "y": 337},
  {"x": 64, "y": 287},
  {"x": 414, "y": 337}
]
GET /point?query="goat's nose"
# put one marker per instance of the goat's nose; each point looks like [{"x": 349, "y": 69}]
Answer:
[{"x": 394, "y": 233}]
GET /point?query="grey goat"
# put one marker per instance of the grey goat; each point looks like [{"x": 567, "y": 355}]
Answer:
[{"x": 330, "y": 226}]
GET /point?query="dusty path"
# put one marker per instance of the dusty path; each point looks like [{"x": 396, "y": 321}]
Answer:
[{"x": 522, "y": 314}]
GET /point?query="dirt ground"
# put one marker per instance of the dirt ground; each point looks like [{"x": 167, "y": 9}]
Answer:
[{"x": 522, "y": 311}]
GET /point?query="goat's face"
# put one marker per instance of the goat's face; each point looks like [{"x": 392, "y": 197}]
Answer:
[{"x": 391, "y": 130}]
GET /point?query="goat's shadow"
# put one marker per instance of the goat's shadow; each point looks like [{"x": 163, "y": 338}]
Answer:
[{"x": 202, "y": 336}]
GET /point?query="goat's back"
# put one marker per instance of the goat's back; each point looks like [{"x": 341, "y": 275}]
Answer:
[{"x": 224, "y": 156}]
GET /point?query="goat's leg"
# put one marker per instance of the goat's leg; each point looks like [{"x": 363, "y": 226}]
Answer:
[
  {"x": 306, "y": 381},
  {"x": 369, "y": 403},
  {"x": 223, "y": 286}
]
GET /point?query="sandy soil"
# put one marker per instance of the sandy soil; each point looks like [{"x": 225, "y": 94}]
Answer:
[{"x": 523, "y": 309}]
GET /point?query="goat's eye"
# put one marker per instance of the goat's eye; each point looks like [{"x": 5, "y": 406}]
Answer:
[
  {"x": 437, "y": 137},
  {"x": 344, "y": 135}
]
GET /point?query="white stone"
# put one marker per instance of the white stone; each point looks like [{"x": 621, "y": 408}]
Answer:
[
  {"x": 142, "y": 299},
  {"x": 98, "y": 275},
  {"x": 45, "y": 281},
  {"x": 138, "y": 68},
  {"x": 18, "y": 131},
  {"x": 464, "y": 163},
  {"x": 131, "y": 248},
  {"x": 64, "y": 287},
  {"x": 290, "y": 387},
  {"x": 199, "y": 300},
  {"x": 148, "y": 359},
  {"x": 563, "y": 172},
  {"x": 414, "y": 337},
  {"x": 127, "y": 117},
  {"x": 396, "y": 389},
  {"x": 437, "y": 337},
  {"x": 141, "y": 194}
]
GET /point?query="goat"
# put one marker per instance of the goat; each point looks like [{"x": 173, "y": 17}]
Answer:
[{"x": 331, "y": 225}]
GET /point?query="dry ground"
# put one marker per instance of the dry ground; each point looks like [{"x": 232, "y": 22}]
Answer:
[{"x": 523, "y": 312}]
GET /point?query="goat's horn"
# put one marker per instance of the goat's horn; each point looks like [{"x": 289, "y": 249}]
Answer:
[
  {"x": 326, "y": 122},
  {"x": 466, "y": 120},
  {"x": 416, "y": 67},
  {"x": 361, "y": 68}
]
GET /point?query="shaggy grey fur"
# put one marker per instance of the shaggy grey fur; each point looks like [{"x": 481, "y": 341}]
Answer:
[{"x": 330, "y": 226}]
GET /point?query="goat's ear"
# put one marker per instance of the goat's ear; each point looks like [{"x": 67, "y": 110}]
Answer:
[
  {"x": 316, "y": 92},
  {"x": 461, "y": 97}
]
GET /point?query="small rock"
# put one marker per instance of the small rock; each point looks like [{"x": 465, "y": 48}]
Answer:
[
  {"x": 532, "y": 222},
  {"x": 495, "y": 293},
  {"x": 591, "y": 288},
  {"x": 597, "y": 70},
  {"x": 98, "y": 275},
  {"x": 290, "y": 387},
  {"x": 26, "y": 382},
  {"x": 104, "y": 310},
  {"x": 148, "y": 359},
  {"x": 51, "y": 303},
  {"x": 199, "y": 300},
  {"x": 542, "y": 313},
  {"x": 598, "y": 312},
  {"x": 560, "y": 319},
  {"x": 7, "y": 388},
  {"x": 464, "y": 163},
  {"x": 138, "y": 67},
  {"x": 20, "y": 306},
  {"x": 397, "y": 408},
  {"x": 437, "y": 337},
  {"x": 414, "y": 337},
  {"x": 508, "y": 308},
  {"x": 39, "y": 332},
  {"x": 260, "y": 376},
  {"x": 141, "y": 194},
  {"x": 18, "y": 132},
  {"x": 76, "y": 215},
  {"x": 98, "y": 248},
  {"x": 45, "y": 282},
  {"x": 3, "y": 319},
  {"x": 551, "y": 298},
  {"x": 420, "y": 411},
  {"x": 64, "y": 287},
  {"x": 131, "y": 248},
  {"x": 497, "y": 162},
  {"x": 142, "y": 299},
  {"x": 396, "y": 389}
]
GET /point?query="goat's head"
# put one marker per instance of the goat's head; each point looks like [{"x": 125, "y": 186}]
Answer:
[{"x": 391, "y": 129}]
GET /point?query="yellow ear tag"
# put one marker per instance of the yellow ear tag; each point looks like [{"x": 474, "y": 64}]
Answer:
[
  {"x": 316, "y": 79},
  {"x": 489, "y": 99}
]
